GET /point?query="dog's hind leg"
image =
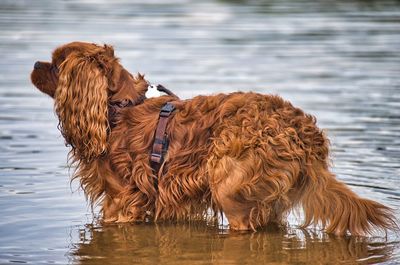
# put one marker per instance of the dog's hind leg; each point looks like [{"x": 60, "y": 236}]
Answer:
[
  {"x": 226, "y": 180},
  {"x": 250, "y": 195}
]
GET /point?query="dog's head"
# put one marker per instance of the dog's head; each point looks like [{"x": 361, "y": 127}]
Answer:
[{"x": 84, "y": 78}]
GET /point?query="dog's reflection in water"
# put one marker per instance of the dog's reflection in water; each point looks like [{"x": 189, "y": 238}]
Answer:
[{"x": 200, "y": 244}]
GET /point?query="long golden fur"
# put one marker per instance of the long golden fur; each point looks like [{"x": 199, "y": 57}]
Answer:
[{"x": 252, "y": 156}]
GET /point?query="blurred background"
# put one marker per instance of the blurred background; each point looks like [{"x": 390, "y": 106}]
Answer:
[{"x": 338, "y": 60}]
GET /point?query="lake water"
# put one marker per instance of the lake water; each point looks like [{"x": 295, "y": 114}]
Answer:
[{"x": 339, "y": 60}]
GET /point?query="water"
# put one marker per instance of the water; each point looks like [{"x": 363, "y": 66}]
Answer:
[{"x": 338, "y": 60}]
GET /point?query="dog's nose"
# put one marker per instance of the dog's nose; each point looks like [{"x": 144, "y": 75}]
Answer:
[{"x": 37, "y": 65}]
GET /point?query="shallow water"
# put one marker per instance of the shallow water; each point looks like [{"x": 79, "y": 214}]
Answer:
[{"x": 338, "y": 60}]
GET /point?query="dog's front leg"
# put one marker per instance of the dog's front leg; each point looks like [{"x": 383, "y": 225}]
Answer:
[{"x": 115, "y": 211}]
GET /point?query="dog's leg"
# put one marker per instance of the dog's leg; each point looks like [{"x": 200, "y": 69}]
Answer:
[
  {"x": 248, "y": 196},
  {"x": 123, "y": 209},
  {"x": 226, "y": 179}
]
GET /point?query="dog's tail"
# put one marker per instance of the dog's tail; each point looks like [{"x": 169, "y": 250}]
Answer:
[{"x": 329, "y": 202}]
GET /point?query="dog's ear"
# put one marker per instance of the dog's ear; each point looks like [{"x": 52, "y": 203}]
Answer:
[{"x": 81, "y": 103}]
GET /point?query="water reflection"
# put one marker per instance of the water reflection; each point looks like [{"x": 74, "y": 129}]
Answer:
[{"x": 199, "y": 244}]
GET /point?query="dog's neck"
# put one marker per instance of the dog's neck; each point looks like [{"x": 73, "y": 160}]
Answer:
[
  {"x": 126, "y": 91},
  {"x": 115, "y": 107}
]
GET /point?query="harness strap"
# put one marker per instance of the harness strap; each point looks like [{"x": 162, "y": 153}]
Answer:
[
  {"x": 115, "y": 107},
  {"x": 160, "y": 143}
]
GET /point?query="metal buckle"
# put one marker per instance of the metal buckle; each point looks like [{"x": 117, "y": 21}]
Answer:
[
  {"x": 167, "y": 109},
  {"x": 156, "y": 158}
]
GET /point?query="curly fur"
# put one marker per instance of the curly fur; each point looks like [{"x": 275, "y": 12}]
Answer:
[
  {"x": 81, "y": 106},
  {"x": 252, "y": 156}
]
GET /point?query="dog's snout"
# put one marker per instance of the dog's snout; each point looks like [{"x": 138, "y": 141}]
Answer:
[{"x": 37, "y": 65}]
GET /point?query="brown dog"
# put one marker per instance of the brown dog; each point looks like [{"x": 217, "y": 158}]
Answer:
[{"x": 252, "y": 156}]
